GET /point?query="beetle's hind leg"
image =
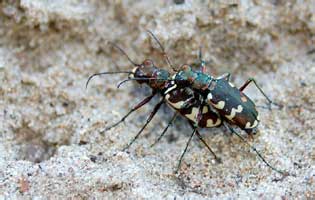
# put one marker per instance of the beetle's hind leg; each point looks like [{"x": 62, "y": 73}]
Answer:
[
  {"x": 227, "y": 126},
  {"x": 217, "y": 159},
  {"x": 184, "y": 152},
  {"x": 194, "y": 126},
  {"x": 261, "y": 91}
]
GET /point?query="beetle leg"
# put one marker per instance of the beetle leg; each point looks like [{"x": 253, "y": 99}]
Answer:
[
  {"x": 182, "y": 155},
  {"x": 261, "y": 91},
  {"x": 164, "y": 131},
  {"x": 187, "y": 103},
  {"x": 139, "y": 105},
  {"x": 155, "y": 109},
  {"x": 227, "y": 126},
  {"x": 205, "y": 143},
  {"x": 194, "y": 127}
]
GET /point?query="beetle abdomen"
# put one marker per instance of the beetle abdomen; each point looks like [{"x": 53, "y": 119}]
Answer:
[{"x": 233, "y": 105}]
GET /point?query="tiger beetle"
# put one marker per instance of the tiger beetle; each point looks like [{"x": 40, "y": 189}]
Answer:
[
  {"x": 160, "y": 82},
  {"x": 203, "y": 100}
]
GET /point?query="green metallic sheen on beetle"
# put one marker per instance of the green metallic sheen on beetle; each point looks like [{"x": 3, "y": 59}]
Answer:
[{"x": 231, "y": 103}]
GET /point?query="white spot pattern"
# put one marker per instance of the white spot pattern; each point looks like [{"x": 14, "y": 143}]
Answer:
[
  {"x": 205, "y": 109},
  {"x": 193, "y": 115},
  {"x": 170, "y": 89},
  {"x": 177, "y": 105},
  {"x": 234, "y": 111},
  {"x": 219, "y": 105},
  {"x": 211, "y": 124},
  {"x": 132, "y": 75},
  {"x": 248, "y": 126},
  {"x": 209, "y": 97}
]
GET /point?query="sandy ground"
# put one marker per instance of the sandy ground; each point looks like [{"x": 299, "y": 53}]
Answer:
[{"x": 50, "y": 141}]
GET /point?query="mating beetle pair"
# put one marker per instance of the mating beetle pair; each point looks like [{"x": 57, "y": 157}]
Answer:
[{"x": 203, "y": 100}]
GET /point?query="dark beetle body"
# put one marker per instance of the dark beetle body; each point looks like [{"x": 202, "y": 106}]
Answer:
[
  {"x": 231, "y": 103},
  {"x": 186, "y": 101},
  {"x": 205, "y": 101},
  {"x": 191, "y": 105}
]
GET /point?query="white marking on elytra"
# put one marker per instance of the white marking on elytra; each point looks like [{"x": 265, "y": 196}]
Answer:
[
  {"x": 258, "y": 118},
  {"x": 211, "y": 124},
  {"x": 170, "y": 89},
  {"x": 205, "y": 109},
  {"x": 177, "y": 105},
  {"x": 193, "y": 115},
  {"x": 209, "y": 96},
  {"x": 219, "y": 105},
  {"x": 248, "y": 126},
  {"x": 234, "y": 111}
]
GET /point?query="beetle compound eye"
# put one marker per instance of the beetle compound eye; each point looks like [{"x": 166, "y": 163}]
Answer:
[
  {"x": 186, "y": 68},
  {"x": 139, "y": 73}
]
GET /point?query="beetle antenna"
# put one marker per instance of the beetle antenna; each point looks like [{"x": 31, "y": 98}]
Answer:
[
  {"x": 140, "y": 79},
  {"x": 163, "y": 50},
  {"x": 123, "y": 52},
  {"x": 103, "y": 73}
]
